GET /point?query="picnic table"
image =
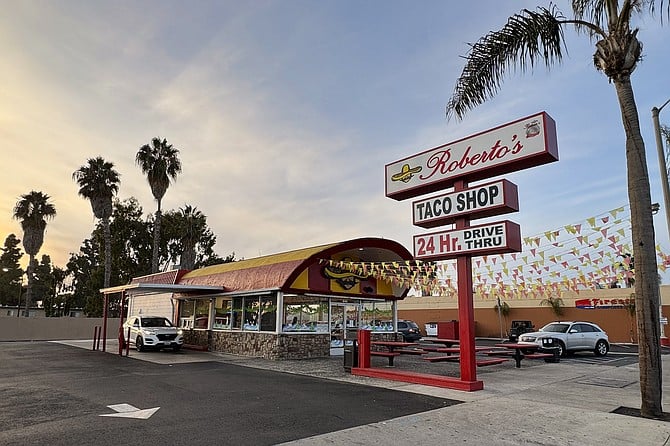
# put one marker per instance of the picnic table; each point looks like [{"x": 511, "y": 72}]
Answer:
[
  {"x": 449, "y": 357},
  {"x": 394, "y": 348},
  {"x": 519, "y": 349},
  {"x": 446, "y": 342}
]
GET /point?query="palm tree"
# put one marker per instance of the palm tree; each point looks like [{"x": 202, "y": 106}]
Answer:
[
  {"x": 160, "y": 162},
  {"x": 192, "y": 228},
  {"x": 531, "y": 37},
  {"x": 556, "y": 304},
  {"x": 99, "y": 182},
  {"x": 33, "y": 210}
]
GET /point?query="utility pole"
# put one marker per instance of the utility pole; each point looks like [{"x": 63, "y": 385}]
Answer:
[{"x": 666, "y": 193}]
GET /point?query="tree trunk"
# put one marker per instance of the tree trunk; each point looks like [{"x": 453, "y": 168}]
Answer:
[
  {"x": 647, "y": 292},
  {"x": 188, "y": 257},
  {"x": 28, "y": 300},
  {"x": 157, "y": 235},
  {"x": 107, "y": 235}
]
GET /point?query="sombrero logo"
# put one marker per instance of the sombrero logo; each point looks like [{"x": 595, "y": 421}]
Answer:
[
  {"x": 406, "y": 173},
  {"x": 345, "y": 279}
]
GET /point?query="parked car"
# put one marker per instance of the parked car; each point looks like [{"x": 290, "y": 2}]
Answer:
[
  {"x": 409, "y": 330},
  {"x": 152, "y": 332},
  {"x": 518, "y": 328},
  {"x": 571, "y": 337}
]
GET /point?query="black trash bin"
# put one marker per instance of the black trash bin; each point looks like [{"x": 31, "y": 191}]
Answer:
[
  {"x": 550, "y": 345},
  {"x": 350, "y": 354}
]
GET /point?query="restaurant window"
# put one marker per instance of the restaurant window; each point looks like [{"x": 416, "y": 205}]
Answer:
[
  {"x": 186, "y": 312},
  {"x": 377, "y": 316},
  {"x": 251, "y": 313},
  {"x": 222, "y": 313},
  {"x": 238, "y": 308},
  {"x": 202, "y": 314},
  {"x": 305, "y": 314},
  {"x": 268, "y": 313}
]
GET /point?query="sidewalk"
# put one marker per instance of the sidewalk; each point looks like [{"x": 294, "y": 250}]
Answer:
[
  {"x": 565, "y": 403},
  {"x": 548, "y": 404}
]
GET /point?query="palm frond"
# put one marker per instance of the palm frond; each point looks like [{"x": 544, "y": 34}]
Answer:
[
  {"x": 596, "y": 11},
  {"x": 525, "y": 40},
  {"x": 651, "y": 4}
]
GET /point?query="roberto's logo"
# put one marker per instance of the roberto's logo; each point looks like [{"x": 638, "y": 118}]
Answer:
[
  {"x": 406, "y": 173},
  {"x": 345, "y": 279},
  {"x": 532, "y": 128}
]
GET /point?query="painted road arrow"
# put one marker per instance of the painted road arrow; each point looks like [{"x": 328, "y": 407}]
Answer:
[{"x": 128, "y": 411}]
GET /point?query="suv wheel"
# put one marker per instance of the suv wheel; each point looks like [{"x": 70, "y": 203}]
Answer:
[
  {"x": 139, "y": 344},
  {"x": 601, "y": 348},
  {"x": 562, "y": 352}
]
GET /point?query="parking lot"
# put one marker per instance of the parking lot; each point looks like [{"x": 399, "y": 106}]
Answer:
[{"x": 56, "y": 394}]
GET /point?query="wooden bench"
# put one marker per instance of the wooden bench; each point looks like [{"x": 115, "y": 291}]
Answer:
[
  {"x": 485, "y": 362},
  {"x": 442, "y": 358},
  {"x": 389, "y": 355}
]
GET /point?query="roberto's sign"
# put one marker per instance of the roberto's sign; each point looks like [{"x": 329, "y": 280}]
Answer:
[{"x": 517, "y": 145}]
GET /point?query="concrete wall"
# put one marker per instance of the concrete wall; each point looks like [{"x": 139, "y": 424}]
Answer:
[
  {"x": 53, "y": 328},
  {"x": 619, "y": 324}
]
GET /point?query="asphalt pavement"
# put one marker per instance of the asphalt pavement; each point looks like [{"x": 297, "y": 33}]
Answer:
[{"x": 55, "y": 394}]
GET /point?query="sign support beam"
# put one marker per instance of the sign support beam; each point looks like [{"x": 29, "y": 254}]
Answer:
[{"x": 466, "y": 311}]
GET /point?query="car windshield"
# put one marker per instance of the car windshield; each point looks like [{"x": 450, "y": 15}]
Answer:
[
  {"x": 555, "y": 328},
  {"x": 412, "y": 324},
  {"x": 155, "y": 322}
]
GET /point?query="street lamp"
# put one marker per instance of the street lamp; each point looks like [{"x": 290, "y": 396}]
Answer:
[
  {"x": 661, "y": 161},
  {"x": 666, "y": 192}
]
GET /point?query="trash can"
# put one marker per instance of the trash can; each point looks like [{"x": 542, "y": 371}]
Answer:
[
  {"x": 350, "y": 355},
  {"x": 550, "y": 345},
  {"x": 447, "y": 330}
]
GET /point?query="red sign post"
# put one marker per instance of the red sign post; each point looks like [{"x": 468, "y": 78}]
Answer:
[{"x": 521, "y": 144}]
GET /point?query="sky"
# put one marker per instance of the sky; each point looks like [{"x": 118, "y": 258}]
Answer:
[{"x": 286, "y": 112}]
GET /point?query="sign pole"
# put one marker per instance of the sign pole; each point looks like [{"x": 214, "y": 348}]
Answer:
[{"x": 466, "y": 314}]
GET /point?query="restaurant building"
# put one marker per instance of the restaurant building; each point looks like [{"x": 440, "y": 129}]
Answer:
[{"x": 292, "y": 305}]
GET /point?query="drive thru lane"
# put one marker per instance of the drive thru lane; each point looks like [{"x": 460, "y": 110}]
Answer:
[{"x": 54, "y": 394}]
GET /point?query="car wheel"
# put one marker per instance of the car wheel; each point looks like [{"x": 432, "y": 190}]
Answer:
[
  {"x": 176, "y": 348},
  {"x": 139, "y": 344},
  {"x": 601, "y": 348},
  {"x": 562, "y": 352}
]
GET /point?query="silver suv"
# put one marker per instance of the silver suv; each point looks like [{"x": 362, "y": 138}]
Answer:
[
  {"x": 571, "y": 336},
  {"x": 152, "y": 332}
]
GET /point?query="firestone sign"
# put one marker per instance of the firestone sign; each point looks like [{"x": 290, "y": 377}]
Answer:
[{"x": 521, "y": 144}]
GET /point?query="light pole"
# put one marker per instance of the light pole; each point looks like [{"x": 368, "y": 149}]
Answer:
[
  {"x": 666, "y": 191},
  {"x": 661, "y": 161}
]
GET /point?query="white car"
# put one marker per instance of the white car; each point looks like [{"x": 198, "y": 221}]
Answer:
[
  {"x": 571, "y": 337},
  {"x": 154, "y": 332}
]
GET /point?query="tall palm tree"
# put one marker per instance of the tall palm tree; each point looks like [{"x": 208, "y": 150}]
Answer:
[
  {"x": 33, "y": 210},
  {"x": 99, "y": 182},
  {"x": 193, "y": 226},
  {"x": 531, "y": 37},
  {"x": 160, "y": 162}
]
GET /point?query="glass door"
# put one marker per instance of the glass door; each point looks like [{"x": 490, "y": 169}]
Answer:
[{"x": 344, "y": 323}]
